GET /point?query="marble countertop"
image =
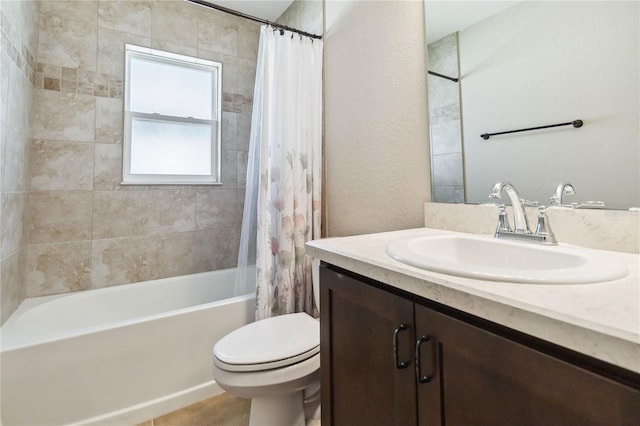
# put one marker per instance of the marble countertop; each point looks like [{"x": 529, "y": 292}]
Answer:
[{"x": 601, "y": 320}]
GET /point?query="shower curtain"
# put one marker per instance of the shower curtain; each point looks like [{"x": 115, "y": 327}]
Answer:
[{"x": 282, "y": 200}]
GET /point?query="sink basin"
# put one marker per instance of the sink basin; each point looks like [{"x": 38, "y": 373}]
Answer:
[{"x": 486, "y": 258}]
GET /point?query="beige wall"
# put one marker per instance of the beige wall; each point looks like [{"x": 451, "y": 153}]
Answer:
[
  {"x": 86, "y": 230},
  {"x": 17, "y": 75},
  {"x": 376, "y": 116}
]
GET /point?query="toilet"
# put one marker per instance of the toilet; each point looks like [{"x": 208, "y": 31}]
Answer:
[{"x": 275, "y": 362}]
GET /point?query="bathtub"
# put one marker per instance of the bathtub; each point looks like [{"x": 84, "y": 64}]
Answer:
[{"x": 118, "y": 355}]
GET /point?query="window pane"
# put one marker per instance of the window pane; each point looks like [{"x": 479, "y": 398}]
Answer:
[
  {"x": 168, "y": 89},
  {"x": 160, "y": 147}
]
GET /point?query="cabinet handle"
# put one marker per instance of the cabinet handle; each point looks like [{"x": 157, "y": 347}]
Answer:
[
  {"x": 403, "y": 364},
  {"x": 419, "y": 376}
]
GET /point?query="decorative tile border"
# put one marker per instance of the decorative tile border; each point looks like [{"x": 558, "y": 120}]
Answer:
[
  {"x": 77, "y": 80},
  {"x": 233, "y": 102},
  {"x": 16, "y": 50},
  {"x": 80, "y": 81}
]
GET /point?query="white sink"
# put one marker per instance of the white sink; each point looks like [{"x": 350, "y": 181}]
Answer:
[{"x": 486, "y": 258}]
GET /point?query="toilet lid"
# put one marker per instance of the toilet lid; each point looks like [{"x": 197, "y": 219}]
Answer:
[{"x": 270, "y": 343}]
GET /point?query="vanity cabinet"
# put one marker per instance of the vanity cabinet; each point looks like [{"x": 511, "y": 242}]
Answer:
[{"x": 392, "y": 358}]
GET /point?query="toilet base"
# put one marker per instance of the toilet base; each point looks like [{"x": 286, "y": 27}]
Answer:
[{"x": 278, "y": 411}]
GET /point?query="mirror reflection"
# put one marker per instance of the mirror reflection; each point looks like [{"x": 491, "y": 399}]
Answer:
[{"x": 527, "y": 64}]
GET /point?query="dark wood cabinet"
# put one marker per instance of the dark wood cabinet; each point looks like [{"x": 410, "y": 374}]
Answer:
[
  {"x": 390, "y": 358},
  {"x": 361, "y": 386}
]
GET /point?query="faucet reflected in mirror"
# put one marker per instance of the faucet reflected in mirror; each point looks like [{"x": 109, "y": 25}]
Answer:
[{"x": 561, "y": 190}]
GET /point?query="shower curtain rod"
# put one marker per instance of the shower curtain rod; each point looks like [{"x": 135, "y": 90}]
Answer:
[{"x": 253, "y": 18}]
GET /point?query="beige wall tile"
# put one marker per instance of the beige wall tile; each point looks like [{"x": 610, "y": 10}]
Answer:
[
  {"x": 243, "y": 158},
  {"x": 218, "y": 32},
  {"x": 172, "y": 211},
  {"x": 17, "y": 73},
  {"x": 118, "y": 261},
  {"x": 229, "y": 166},
  {"x": 13, "y": 211},
  {"x": 229, "y": 130},
  {"x": 127, "y": 16},
  {"x": 217, "y": 209},
  {"x": 14, "y": 159},
  {"x": 171, "y": 255},
  {"x": 67, "y": 43},
  {"x": 63, "y": 116},
  {"x": 109, "y": 120},
  {"x": 58, "y": 268},
  {"x": 57, "y": 216},
  {"x": 175, "y": 22},
  {"x": 246, "y": 77},
  {"x": 12, "y": 282},
  {"x": 108, "y": 167},
  {"x": 248, "y": 39},
  {"x": 58, "y": 165},
  {"x": 244, "y": 131},
  {"x": 111, "y": 49},
  {"x": 5, "y": 69},
  {"x": 82, "y": 11},
  {"x": 19, "y": 101},
  {"x": 217, "y": 249},
  {"x": 120, "y": 214}
]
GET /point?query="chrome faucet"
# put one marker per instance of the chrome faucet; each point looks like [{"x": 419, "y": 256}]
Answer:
[
  {"x": 561, "y": 189},
  {"x": 543, "y": 233},
  {"x": 519, "y": 217}
]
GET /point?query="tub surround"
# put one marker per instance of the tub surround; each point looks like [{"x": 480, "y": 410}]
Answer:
[
  {"x": 87, "y": 231},
  {"x": 19, "y": 47},
  {"x": 599, "y": 320}
]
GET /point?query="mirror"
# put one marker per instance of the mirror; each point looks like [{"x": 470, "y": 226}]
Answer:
[{"x": 527, "y": 64}]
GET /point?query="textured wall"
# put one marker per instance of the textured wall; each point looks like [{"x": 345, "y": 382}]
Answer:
[
  {"x": 17, "y": 75},
  {"x": 305, "y": 15},
  {"x": 376, "y": 117},
  {"x": 86, "y": 230}
]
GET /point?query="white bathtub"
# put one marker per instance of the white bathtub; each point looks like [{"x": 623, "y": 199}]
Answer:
[{"x": 117, "y": 355}]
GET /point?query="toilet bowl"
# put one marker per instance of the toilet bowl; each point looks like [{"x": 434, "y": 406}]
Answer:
[{"x": 275, "y": 362}]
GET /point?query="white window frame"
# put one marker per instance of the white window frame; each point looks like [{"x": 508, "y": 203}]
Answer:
[{"x": 132, "y": 51}]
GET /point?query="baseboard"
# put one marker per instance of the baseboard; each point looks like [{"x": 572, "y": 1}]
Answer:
[{"x": 156, "y": 407}]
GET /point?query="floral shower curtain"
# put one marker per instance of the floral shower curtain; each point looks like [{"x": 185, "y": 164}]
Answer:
[{"x": 284, "y": 172}]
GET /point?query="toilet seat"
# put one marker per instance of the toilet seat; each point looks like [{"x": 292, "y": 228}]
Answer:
[{"x": 270, "y": 343}]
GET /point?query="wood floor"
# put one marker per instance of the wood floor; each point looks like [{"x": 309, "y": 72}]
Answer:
[{"x": 221, "y": 410}]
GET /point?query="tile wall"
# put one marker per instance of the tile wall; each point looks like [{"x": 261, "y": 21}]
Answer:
[
  {"x": 85, "y": 229},
  {"x": 447, "y": 177},
  {"x": 19, "y": 41}
]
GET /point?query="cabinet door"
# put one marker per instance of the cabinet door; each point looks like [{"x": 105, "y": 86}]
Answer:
[
  {"x": 486, "y": 379},
  {"x": 361, "y": 384}
]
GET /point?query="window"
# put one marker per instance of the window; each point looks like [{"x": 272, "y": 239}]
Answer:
[{"x": 171, "y": 118}]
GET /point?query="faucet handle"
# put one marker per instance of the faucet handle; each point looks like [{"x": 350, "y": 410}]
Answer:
[
  {"x": 503, "y": 221},
  {"x": 542, "y": 227},
  {"x": 528, "y": 203}
]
